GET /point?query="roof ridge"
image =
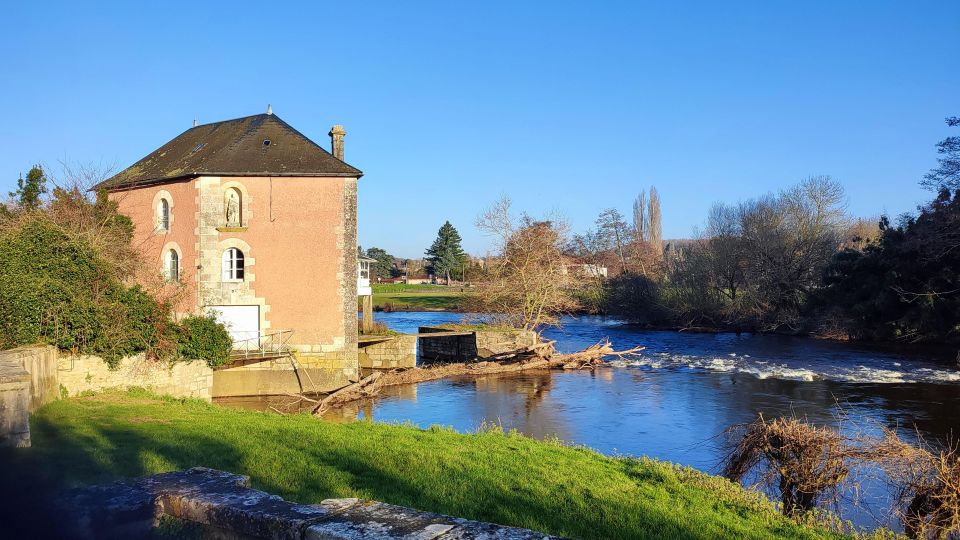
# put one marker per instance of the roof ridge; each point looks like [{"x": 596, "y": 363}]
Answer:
[{"x": 226, "y": 148}]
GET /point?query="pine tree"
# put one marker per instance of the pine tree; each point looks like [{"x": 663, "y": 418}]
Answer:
[{"x": 446, "y": 254}]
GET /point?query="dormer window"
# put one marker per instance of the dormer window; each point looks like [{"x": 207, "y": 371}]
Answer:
[
  {"x": 163, "y": 215},
  {"x": 232, "y": 263}
]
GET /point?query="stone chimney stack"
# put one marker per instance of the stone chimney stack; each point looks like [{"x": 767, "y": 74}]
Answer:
[{"x": 336, "y": 141}]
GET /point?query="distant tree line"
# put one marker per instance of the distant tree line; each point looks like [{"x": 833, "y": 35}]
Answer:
[{"x": 796, "y": 262}]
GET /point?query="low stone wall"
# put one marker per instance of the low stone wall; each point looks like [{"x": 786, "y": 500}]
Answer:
[
  {"x": 40, "y": 362},
  {"x": 82, "y": 373},
  {"x": 14, "y": 403},
  {"x": 389, "y": 353},
  {"x": 31, "y": 377},
  {"x": 299, "y": 372},
  {"x": 478, "y": 344},
  {"x": 225, "y": 506}
]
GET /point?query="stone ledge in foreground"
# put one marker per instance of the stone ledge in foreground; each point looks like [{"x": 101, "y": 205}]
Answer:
[{"x": 226, "y": 505}]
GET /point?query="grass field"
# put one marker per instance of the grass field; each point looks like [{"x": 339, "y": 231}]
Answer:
[
  {"x": 402, "y": 297},
  {"x": 491, "y": 476}
]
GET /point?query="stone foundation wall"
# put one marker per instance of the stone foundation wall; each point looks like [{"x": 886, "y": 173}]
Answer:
[
  {"x": 181, "y": 379},
  {"x": 392, "y": 353},
  {"x": 309, "y": 372},
  {"x": 479, "y": 344}
]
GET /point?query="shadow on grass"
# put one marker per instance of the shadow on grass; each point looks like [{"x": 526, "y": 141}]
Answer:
[
  {"x": 305, "y": 460},
  {"x": 63, "y": 458}
]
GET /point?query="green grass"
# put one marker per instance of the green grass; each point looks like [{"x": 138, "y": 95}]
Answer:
[
  {"x": 403, "y": 297},
  {"x": 379, "y": 288},
  {"x": 477, "y": 327},
  {"x": 490, "y": 476},
  {"x": 419, "y": 301}
]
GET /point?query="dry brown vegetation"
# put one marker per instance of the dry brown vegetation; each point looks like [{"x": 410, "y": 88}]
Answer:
[
  {"x": 808, "y": 465},
  {"x": 927, "y": 486}
]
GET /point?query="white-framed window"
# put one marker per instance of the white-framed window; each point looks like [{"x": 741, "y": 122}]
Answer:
[
  {"x": 163, "y": 215},
  {"x": 172, "y": 266},
  {"x": 232, "y": 265}
]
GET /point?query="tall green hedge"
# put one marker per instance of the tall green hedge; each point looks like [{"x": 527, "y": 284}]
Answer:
[{"x": 56, "y": 289}]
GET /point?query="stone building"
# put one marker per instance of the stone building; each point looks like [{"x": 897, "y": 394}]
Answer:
[{"x": 253, "y": 222}]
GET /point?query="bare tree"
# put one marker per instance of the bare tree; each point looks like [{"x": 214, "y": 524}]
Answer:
[
  {"x": 655, "y": 234},
  {"x": 527, "y": 285},
  {"x": 640, "y": 217}
]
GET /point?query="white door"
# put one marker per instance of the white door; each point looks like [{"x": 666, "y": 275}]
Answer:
[{"x": 243, "y": 323}]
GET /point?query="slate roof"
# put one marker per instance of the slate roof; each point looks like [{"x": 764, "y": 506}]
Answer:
[{"x": 259, "y": 145}]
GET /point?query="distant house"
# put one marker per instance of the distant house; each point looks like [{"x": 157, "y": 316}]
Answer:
[
  {"x": 586, "y": 270},
  {"x": 258, "y": 226}
]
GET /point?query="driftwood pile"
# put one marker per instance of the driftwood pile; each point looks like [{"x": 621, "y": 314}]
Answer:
[{"x": 540, "y": 356}]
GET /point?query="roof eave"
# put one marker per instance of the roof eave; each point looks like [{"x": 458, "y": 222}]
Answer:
[{"x": 163, "y": 180}]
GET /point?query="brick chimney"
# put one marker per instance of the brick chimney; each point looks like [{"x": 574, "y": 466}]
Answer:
[{"x": 336, "y": 141}]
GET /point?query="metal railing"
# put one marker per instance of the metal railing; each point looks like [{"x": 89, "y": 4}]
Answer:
[{"x": 268, "y": 344}]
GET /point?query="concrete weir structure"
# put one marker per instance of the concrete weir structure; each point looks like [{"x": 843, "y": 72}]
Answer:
[{"x": 224, "y": 506}]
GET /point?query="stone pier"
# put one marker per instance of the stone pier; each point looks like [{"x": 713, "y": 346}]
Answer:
[{"x": 473, "y": 345}]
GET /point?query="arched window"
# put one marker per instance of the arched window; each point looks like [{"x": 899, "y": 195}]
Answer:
[
  {"x": 163, "y": 215},
  {"x": 173, "y": 266},
  {"x": 233, "y": 265},
  {"x": 233, "y": 207}
]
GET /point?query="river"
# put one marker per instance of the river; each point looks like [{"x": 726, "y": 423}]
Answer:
[{"x": 675, "y": 401}]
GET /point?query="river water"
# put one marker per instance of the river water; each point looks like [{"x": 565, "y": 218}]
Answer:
[{"x": 675, "y": 401}]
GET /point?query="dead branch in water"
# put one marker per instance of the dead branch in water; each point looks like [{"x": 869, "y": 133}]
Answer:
[
  {"x": 804, "y": 463},
  {"x": 365, "y": 387},
  {"x": 539, "y": 356},
  {"x": 927, "y": 486},
  {"x": 593, "y": 356}
]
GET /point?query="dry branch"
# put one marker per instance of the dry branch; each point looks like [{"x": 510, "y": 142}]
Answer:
[
  {"x": 365, "y": 387},
  {"x": 539, "y": 356},
  {"x": 593, "y": 356},
  {"x": 927, "y": 486},
  {"x": 806, "y": 464}
]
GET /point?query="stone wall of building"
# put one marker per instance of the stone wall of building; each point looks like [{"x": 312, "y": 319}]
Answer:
[
  {"x": 476, "y": 344},
  {"x": 80, "y": 373},
  {"x": 390, "y": 353}
]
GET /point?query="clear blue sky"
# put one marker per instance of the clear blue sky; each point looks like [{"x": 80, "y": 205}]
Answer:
[{"x": 569, "y": 106}]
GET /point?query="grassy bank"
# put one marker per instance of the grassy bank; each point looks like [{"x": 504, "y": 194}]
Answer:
[
  {"x": 400, "y": 297},
  {"x": 508, "y": 479}
]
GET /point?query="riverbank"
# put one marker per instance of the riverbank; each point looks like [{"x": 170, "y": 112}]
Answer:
[
  {"x": 503, "y": 478},
  {"x": 402, "y": 297}
]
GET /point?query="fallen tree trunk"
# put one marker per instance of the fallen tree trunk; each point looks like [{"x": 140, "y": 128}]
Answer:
[
  {"x": 539, "y": 356},
  {"x": 365, "y": 387},
  {"x": 593, "y": 356}
]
